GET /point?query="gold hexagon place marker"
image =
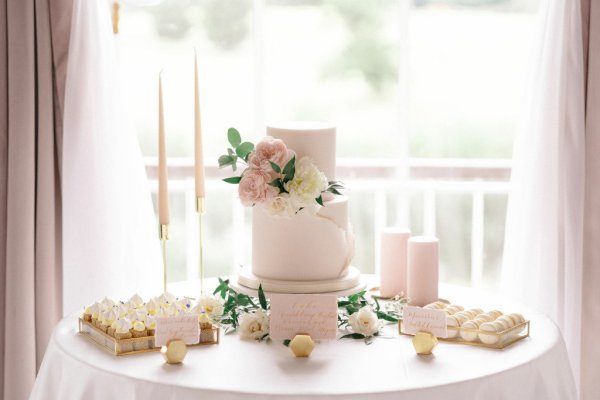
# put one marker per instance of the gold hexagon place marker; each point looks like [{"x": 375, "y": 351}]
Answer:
[
  {"x": 174, "y": 352},
  {"x": 302, "y": 345},
  {"x": 424, "y": 343}
]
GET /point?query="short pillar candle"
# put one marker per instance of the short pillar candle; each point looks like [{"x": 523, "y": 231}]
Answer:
[
  {"x": 394, "y": 242},
  {"x": 423, "y": 270}
]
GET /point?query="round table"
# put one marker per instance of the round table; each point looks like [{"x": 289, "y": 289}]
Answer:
[{"x": 534, "y": 368}]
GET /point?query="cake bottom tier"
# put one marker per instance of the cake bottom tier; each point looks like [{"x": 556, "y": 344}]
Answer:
[{"x": 350, "y": 282}]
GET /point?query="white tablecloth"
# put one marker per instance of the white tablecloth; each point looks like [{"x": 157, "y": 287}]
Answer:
[{"x": 535, "y": 368}]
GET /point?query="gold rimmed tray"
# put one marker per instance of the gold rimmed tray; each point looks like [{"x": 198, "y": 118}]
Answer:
[
  {"x": 500, "y": 339},
  {"x": 122, "y": 347}
]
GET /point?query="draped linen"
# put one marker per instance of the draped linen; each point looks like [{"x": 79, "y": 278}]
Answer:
[
  {"x": 34, "y": 36},
  {"x": 551, "y": 255},
  {"x": 110, "y": 235}
]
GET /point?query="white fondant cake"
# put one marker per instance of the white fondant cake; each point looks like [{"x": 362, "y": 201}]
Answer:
[{"x": 307, "y": 247}]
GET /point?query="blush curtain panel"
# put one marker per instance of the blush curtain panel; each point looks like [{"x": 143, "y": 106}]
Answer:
[
  {"x": 33, "y": 52},
  {"x": 551, "y": 255}
]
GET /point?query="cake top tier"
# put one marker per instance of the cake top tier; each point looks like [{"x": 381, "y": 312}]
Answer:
[{"x": 312, "y": 139}]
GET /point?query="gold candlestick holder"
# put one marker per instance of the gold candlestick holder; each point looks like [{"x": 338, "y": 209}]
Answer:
[
  {"x": 200, "y": 209},
  {"x": 163, "y": 234}
]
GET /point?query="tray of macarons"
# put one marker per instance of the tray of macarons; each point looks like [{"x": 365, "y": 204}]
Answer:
[{"x": 476, "y": 327}]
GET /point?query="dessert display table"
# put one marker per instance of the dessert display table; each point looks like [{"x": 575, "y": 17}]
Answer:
[{"x": 534, "y": 368}]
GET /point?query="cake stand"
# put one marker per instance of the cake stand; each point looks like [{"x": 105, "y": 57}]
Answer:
[{"x": 246, "y": 282}]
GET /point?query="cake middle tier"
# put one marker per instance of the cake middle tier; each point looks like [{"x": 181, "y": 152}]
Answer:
[{"x": 306, "y": 247}]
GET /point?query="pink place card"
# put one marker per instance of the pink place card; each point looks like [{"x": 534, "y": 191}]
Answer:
[
  {"x": 417, "y": 319},
  {"x": 183, "y": 327},
  {"x": 312, "y": 314}
]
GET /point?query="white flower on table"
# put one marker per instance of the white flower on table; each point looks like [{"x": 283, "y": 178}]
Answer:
[
  {"x": 307, "y": 185},
  {"x": 210, "y": 305},
  {"x": 254, "y": 325},
  {"x": 364, "y": 321}
]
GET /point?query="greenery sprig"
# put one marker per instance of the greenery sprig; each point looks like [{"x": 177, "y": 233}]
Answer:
[
  {"x": 236, "y": 304},
  {"x": 353, "y": 303},
  {"x": 238, "y": 151}
]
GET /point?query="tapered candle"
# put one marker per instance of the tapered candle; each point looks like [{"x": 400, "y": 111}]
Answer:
[
  {"x": 423, "y": 270},
  {"x": 394, "y": 242},
  {"x": 199, "y": 158},
  {"x": 163, "y": 187}
]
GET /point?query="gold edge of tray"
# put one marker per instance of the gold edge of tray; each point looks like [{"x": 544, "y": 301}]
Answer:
[
  {"x": 110, "y": 350},
  {"x": 498, "y": 346}
]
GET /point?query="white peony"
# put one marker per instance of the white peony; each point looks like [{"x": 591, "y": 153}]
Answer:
[
  {"x": 212, "y": 306},
  {"x": 364, "y": 321},
  {"x": 254, "y": 325},
  {"x": 281, "y": 206},
  {"x": 307, "y": 185}
]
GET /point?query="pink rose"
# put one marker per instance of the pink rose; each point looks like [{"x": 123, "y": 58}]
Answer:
[
  {"x": 270, "y": 149},
  {"x": 254, "y": 188}
]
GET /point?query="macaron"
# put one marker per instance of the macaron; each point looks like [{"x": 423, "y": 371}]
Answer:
[
  {"x": 452, "y": 325},
  {"x": 488, "y": 338},
  {"x": 469, "y": 336},
  {"x": 495, "y": 313}
]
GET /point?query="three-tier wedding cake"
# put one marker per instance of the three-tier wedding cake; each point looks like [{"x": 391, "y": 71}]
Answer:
[{"x": 311, "y": 251}]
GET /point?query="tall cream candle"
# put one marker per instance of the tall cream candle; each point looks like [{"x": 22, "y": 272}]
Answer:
[
  {"x": 199, "y": 157},
  {"x": 423, "y": 270},
  {"x": 163, "y": 187},
  {"x": 394, "y": 242}
]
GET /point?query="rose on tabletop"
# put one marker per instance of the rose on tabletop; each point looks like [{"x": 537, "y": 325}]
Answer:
[
  {"x": 212, "y": 306},
  {"x": 254, "y": 325},
  {"x": 364, "y": 322}
]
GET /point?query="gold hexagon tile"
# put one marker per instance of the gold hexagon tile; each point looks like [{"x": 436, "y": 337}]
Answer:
[{"x": 302, "y": 345}]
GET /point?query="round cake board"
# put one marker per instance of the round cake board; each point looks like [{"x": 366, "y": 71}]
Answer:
[{"x": 247, "y": 283}]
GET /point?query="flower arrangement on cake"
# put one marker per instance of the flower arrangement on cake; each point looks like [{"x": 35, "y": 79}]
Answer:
[{"x": 273, "y": 178}]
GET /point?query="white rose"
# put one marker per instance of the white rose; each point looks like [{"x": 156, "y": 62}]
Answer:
[
  {"x": 307, "y": 185},
  {"x": 364, "y": 321},
  {"x": 254, "y": 325},
  {"x": 212, "y": 306},
  {"x": 281, "y": 206}
]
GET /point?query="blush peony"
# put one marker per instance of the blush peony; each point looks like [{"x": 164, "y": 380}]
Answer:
[
  {"x": 254, "y": 188},
  {"x": 270, "y": 149}
]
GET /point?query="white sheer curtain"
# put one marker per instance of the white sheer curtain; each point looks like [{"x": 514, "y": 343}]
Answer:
[
  {"x": 544, "y": 231},
  {"x": 110, "y": 240}
]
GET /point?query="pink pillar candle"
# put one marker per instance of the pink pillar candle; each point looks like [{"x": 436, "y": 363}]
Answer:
[
  {"x": 423, "y": 270},
  {"x": 394, "y": 242}
]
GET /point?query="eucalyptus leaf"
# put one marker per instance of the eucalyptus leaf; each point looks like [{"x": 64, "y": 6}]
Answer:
[
  {"x": 320, "y": 200},
  {"x": 275, "y": 167},
  {"x": 234, "y": 137},
  {"x": 244, "y": 149},
  {"x": 290, "y": 169},
  {"x": 386, "y": 317},
  {"x": 353, "y": 336},
  {"x": 233, "y": 179},
  {"x": 261, "y": 298},
  {"x": 333, "y": 190},
  {"x": 225, "y": 160}
]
